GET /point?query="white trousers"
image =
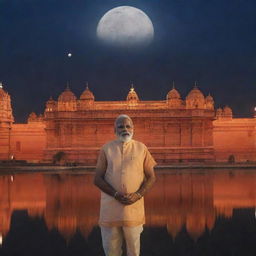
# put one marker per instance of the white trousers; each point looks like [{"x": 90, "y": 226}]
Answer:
[{"x": 112, "y": 240}]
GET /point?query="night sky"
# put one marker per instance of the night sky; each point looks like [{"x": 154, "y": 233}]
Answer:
[{"x": 212, "y": 42}]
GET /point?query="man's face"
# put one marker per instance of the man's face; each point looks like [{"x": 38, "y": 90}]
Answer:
[{"x": 124, "y": 130}]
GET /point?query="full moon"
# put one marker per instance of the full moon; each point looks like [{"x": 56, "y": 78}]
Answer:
[{"x": 125, "y": 26}]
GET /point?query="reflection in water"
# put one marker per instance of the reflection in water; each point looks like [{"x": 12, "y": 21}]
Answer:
[
  {"x": 70, "y": 203},
  {"x": 179, "y": 200}
]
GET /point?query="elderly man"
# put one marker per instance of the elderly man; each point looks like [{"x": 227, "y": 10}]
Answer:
[{"x": 124, "y": 173}]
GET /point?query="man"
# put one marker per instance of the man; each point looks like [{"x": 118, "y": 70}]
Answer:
[{"x": 124, "y": 173}]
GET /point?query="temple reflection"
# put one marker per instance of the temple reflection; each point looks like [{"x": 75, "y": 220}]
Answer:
[{"x": 70, "y": 202}]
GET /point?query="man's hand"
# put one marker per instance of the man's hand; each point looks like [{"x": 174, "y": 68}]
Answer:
[
  {"x": 132, "y": 198},
  {"x": 127, "y": 199},
  {"x": 120, "y": 198}
]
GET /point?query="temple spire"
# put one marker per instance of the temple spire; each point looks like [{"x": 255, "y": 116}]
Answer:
[
  {"x": 87, "y": 86},
  {"x": 196, "y": 85},
  {"x": 132, "y": 88},
  {"x": 173, "y": 85},
  {"x": 67, "y": 87}
]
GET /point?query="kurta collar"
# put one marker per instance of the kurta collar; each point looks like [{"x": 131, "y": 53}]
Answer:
[{"x": 124, "y": 143}]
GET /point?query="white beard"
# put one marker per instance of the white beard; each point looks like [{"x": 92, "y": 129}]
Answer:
[{"x": 125, "y": 138}]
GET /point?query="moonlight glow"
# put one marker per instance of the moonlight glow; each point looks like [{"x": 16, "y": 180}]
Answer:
[{"x": 125, "y": 26}]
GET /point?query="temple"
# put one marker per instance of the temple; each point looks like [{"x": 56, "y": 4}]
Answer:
[{"x": 72, "y": 129}]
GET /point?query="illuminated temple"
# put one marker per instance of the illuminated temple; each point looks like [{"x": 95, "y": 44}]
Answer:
[{"x": 73, "y": 129}]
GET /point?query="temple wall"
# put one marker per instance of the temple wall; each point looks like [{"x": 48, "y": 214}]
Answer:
[
  {"x": 174, "y": 130},
  {"x": 28, "y": 141},
  {"x": 170, "y": 136},
  {"x": 235, "y": 137},
  {"x": 5, "y": 135},
  {"x": 169, "y": 141}
]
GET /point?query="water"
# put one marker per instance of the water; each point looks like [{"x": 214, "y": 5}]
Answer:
[{"x": 187, "y": 213}]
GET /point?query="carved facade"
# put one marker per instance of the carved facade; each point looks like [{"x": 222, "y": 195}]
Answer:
[{"x": 174, "y": 129}]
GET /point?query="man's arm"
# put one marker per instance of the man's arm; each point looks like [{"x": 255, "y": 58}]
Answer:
[
  {"x": 150, "y": 179},
  {"x": 99, "y": 178},
  {"x": 148, "y": 182},
  {"x": 100, "y": 182}
]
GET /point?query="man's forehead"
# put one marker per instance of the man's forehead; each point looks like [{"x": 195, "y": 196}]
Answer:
[{"x": 124, "y": 120}]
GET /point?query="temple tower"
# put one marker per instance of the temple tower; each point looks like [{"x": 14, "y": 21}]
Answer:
[
  {"x": 132, "y": 98},
  {"x": 195, "y": 99},
  {"x": 67, "y": 101},
  {"x": 86, "y": 99},
  {"x": 174, "y": 100},
  {"x": 6, "y": 120}
]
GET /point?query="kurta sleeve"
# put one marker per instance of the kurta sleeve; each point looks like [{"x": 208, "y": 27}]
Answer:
[
  {"x": 102, "y": 161},
  {"x": 149, "y": 161}
]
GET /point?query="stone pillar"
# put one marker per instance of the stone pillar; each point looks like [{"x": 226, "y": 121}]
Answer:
[
  {"x": 185, "y": 134},
  {"x": 5, "y": 136},
  {"x": 197, "y": 134}
]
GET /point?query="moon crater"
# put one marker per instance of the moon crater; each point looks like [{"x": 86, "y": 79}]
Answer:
[{"x": 125, "y": 26}]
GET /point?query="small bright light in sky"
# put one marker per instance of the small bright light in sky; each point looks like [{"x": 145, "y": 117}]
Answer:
[{"x": 69, "y": 54}]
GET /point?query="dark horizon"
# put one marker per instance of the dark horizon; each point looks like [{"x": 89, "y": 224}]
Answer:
[{"x": 211, "y": 43}]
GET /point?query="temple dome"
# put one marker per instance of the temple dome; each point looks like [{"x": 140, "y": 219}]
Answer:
[
  {"x": 132, "y": 95},
  {"x": 34, "y": 118},
  {"x": 195, "y": 93},
  {"x": 32, "y": 115},
  {"x": 209, "y": 102},
  {"x": 219, "y": 112},
  {"x": 173, "y": 94},
  {"x": 173, "y": 99},
  {"x": 195, "y": 99},
  {"x": 50, "y": 101},
  {"x": 67, "y": 95},
  {"x": 227, "y": 111},
  {"x": 209, "y": 98},
  {"x": 87, "y": 94},
  {"x": 50, "y": 104}
]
